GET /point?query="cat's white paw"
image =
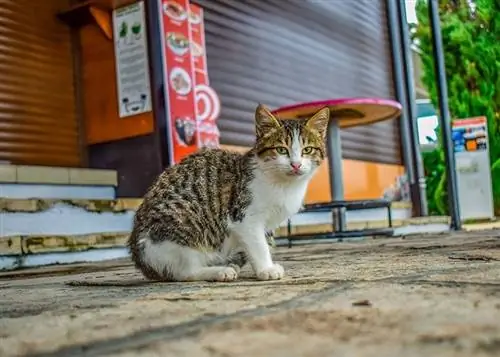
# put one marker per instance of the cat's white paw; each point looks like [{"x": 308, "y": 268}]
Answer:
[
  {"x": 226, "y": 274},
  {"x": 275, "y": 272},
  {"x": 235, "y": 267}
]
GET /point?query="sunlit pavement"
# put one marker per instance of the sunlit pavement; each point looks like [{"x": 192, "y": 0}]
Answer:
[{"x": 428, "y": 295}]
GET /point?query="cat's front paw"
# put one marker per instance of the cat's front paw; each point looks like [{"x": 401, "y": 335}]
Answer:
[
  {"x": 276, "y": 272},
  {"x": 227, "y": 274}
]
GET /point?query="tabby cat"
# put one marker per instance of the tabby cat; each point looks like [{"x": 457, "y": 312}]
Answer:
[{"x": 204, "y": 217}]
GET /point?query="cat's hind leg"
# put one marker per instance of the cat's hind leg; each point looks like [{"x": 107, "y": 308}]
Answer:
[
  {"x": 233, "y": 253},
  {"x": 175, "y": 262}
]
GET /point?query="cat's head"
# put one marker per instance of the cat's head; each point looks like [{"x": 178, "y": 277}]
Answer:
[{"x": 290, "y": 148}]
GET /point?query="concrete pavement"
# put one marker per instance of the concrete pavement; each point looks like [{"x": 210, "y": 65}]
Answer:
[{"x": 423, "y": 295}]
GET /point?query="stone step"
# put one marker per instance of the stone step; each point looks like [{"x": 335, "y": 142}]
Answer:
[
  {"x": 75, "y": 217},
  {"x": 23, "y": 182},
  {"x": 37, "y": 250},
  {"x": 65, "y": 217},
  {"x": 48, "y": 231}
]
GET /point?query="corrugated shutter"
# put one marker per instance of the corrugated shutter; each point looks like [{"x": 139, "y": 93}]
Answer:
[
  {"x": 282, "y": 52},
  {"x": 37, "y": 105}
]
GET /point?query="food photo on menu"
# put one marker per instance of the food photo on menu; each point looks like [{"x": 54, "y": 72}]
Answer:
[
  {"x": 180, "y": 81},
  {"x": 185, "y": 129},
  {"x": 194, "y": 18},
  {"x": 175, "y": 11},
  {"x": 178, "y": 43}
]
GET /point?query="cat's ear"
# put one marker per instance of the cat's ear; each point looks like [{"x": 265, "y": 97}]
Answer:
[
  {"x": 319, "y": 121},
  {"x": 265, "y": 121}
]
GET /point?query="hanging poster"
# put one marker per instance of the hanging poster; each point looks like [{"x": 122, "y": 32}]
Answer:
[
  {"x": 179, "y": 78},
  {"x": 131, "y": 58},
  {"x": 472, "y": 161},
  {"x": 206, "y": 99}
]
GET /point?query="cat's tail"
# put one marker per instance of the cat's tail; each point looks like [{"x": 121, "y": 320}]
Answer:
[{"x": 136, "y": 245}]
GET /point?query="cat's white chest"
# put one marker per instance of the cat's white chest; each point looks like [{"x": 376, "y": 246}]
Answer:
[{"x": 274, "y": 203}]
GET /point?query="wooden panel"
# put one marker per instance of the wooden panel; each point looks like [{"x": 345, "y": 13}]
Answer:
[
  {"x": 136, "y": 160},
  {"x": 38, "y": 122},
  {"x": 279, "y": 54},
  {"x": 102, "y": 122}
]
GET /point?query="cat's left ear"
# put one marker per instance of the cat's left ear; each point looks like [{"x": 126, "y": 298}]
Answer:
[
  {"x": 319, "y": 121},
  {"x": 265, "y": 121}
]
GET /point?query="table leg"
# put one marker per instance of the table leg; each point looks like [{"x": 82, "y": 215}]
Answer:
[{"x": 335, "y": 163}]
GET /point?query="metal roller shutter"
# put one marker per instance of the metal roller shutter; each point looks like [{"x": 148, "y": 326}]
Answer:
[
  {"x": 280, "y": 52},
  {"x": 37, "y": 106}
]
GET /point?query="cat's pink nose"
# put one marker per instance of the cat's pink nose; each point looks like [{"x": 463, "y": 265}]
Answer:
[{"x": 295, "y": 165}]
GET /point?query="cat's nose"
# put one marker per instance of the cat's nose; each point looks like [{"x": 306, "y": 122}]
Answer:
[{"x": 295, "y": 165}]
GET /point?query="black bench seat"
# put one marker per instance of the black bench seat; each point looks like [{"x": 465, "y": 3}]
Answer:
[
  {"x": 348, "y": 205},
  {"x": 338, "y": 231}
]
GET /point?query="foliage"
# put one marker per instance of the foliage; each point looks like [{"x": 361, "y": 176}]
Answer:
[
  {"x": 434, "y": 173},
  {"x": 471, "y": 34}
]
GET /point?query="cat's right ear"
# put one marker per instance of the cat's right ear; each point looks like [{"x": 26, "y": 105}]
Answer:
[{"x": 265, "y": 121}]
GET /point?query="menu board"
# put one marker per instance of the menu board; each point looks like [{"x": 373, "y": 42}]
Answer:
[
  {"x": 132, "y": 71},
  {"x": 472, "y": 158},
  {"x": 192, "y": 105},
  {"x": 179, "y": 78}
]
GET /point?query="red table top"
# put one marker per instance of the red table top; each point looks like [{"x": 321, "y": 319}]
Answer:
[{"x": 349, "y": 112}]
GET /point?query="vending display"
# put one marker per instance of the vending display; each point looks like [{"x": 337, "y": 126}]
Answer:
[{"x": 472, "y": 161}]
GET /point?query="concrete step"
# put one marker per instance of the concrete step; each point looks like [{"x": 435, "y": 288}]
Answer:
[
  {"x": 23, "y": 182},
  {"x": 65, "y": 217},
  {"x": 31, "y": 250},
  {"x": 70, "y": 216},
  {"x": 48, "y": 231}
]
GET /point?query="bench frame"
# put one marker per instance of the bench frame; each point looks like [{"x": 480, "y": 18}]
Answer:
[{"x": 338, "y": 230}]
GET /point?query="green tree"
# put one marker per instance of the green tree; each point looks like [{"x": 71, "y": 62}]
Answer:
[{"x": 471, "y": 44}]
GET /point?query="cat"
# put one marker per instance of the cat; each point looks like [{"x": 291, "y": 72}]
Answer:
[{"x": 205, "y": 217}]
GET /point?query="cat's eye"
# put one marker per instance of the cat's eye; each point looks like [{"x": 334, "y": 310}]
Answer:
[
  {"x": 307, "y": 150},
  {"x": 282, "y": 150}
]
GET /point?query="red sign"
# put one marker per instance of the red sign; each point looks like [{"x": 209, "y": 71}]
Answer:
[
  {"x": 206, "y": 99},
  {"x": 179, "y": 78},
  {"x": 192, "y": 105}
]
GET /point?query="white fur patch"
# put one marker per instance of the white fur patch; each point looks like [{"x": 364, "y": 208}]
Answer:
[
  {"x": 296, "y": 148},
  {"x": 276, "y": 196},
  {"x": 180, "y": 263},
  {"x": 172, "y": 257}
]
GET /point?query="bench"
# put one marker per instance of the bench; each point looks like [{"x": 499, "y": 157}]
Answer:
[{"x": 338, "y": 225}]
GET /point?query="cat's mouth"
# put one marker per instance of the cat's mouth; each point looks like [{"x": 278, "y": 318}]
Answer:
[{"x": 295, "y": 173}]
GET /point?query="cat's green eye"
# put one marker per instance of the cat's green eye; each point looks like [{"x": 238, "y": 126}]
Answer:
[
  {"x": 307, "y": 150},
  {"x": 282, "y": 150}
]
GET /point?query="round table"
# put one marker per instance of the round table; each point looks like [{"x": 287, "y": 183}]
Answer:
[{"x": 344, "y": 113}]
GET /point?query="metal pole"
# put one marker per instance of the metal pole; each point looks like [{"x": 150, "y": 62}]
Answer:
[
  {"x": 157, "y": 77},
  {"x": 406, "y": 148},
  {"x": 336, "y": 172},
  {"x": 419, "y": 183},
  {"x": 444, "y": 114}
]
